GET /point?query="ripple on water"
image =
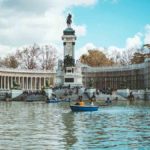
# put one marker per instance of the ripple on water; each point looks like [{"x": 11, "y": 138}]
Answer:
[{"x": 54, "y": 126}]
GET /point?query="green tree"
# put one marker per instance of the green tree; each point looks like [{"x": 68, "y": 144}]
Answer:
[{"x": 96, "y": 58}]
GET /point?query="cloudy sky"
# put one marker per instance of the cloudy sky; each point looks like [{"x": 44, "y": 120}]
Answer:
[{"x": 112, "y": 24}]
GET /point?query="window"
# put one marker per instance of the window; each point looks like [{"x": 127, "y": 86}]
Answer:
[
  {"x": 68, "y": 70},
  {"x": 69, "y": 79}
]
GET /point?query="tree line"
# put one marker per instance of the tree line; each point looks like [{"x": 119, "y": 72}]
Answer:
[
  {"x": 96, "y": 58},
  {"x": 45, "y": 58},
  {"x": 32, "y": 57}
]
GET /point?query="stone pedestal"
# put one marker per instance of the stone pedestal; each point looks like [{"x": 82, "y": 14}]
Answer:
[
  {"x": 15, "y": 93},
  {"x": 48, "y": 92}
]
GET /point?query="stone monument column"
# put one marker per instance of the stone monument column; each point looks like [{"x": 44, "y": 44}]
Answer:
[{"x": 68, "y": 74}]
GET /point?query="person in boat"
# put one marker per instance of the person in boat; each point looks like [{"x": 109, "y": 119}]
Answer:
[
  {"x": 80, "y": 103},
  {"x": 108, "y": 101},
  {"x": 92, "y": 102},
  {"x": 131, "y": 96},
  {"x": 93, "y": 97}
]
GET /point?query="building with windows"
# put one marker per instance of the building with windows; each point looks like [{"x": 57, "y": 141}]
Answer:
[{"x": 135, "y": 76}]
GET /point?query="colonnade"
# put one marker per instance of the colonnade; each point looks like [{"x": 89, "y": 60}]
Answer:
[{"x": 27, "y": 80}]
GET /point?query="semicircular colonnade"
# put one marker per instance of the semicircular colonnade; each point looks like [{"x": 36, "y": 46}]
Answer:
[{"x": 27, "y": 79}]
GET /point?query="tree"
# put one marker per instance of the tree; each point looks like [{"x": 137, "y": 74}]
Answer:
[
  {"x": 96, "y": 58},
  {"x": 10, "y": 61},
  {"x": 125, "y": 58},
  {"x": 36, "y": 57},
  {"x": 48, "y": 57},
  {"x": 137, "y": 58},
  {"x": 140, "y": 55},
  {"x": 28, "y": 57},
  {"x": 146, "y": 45},
  {"x": 32, "y": 57}
]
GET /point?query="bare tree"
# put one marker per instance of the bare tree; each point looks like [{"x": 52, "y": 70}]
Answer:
[
  {"x": 28, "y": 57},
  {"x": 126, "y": 57},
  {"x": 9, "y": 61},
  {"x": 32, "y": 57},
  {"x": 48, "y": 57}
]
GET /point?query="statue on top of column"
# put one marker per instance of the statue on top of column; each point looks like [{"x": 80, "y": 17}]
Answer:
[{"x": 69, "y": 21}]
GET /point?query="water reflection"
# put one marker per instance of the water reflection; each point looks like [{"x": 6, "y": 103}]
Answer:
[
  {"x": 123, "y": 125},
  {"x": 69, "y": 137}
]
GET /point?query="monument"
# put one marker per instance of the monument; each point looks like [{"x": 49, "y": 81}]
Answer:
[
  {"x": 69, "y": 72},
  {"x": 16, "y": 91}
]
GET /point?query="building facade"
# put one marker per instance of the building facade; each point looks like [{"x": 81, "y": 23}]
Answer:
[
  {"x": 118, "y": 77},
  {"x": 135, "y": 76}
]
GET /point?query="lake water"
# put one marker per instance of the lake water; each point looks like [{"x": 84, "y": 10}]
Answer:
[{"x": 41, "y": 126}]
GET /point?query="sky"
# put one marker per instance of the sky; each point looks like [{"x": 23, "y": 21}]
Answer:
[{"x": 102, "y": 24}]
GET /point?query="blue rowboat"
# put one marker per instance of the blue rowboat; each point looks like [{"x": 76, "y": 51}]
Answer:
[
  {"x": 57, "y": 100},
  {"x": 53, "y": 101},
  {"x": 83, "y": 108}
]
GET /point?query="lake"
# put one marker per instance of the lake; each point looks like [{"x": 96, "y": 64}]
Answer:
[{"x": 42, "y": 126}]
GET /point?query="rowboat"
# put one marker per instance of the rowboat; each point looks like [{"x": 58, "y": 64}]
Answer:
[
  {"x": 84, "y": 108},
  {"x": 55, "y": 100}
]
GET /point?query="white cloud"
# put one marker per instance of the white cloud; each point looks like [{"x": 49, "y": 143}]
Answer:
[
  {"x": 24, "y": 22},
  {"x": 113, "y": 51},
  {"x": 80, "y": 30},
  {"x": 40, "y": 6},
  {"x": 134, "y": 42},
  {"x": 5, "y": 49},
  {"x": 84, "y": 50},
  {"x": 147, "y": 34}
]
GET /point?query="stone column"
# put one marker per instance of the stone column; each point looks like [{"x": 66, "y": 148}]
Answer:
[
  {"x": 31, "y": 80},
  {"x": 35, "y": 80},
  {"x": 18, "y": 79},
  {"x": 27, "y": 82},
  {"x": 8, "y": 82},
  {"x": 44, "y": 80},
  {"x": 53, "y": 80},
  {"x": 4, "y": 82},
  {"x": 39, "y": 83},
  {"x": 23, "y": 83}
]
